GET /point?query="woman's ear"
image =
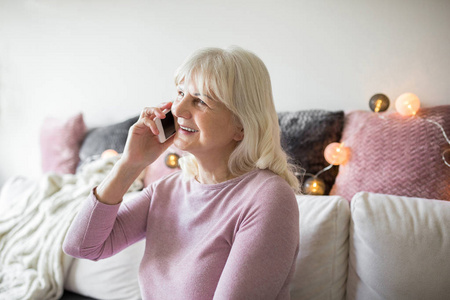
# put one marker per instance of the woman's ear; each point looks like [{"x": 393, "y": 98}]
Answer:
[{"x": 239, "y": 135}]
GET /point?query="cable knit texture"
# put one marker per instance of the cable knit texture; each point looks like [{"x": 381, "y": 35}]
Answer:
[{"x": 397, "y": 155}]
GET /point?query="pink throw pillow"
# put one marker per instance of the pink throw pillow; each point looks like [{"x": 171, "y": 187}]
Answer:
[
  {"x": 60, "y": 142},
  {"x": 392, "y": 154},
  {"x": 159, "y": 169}
]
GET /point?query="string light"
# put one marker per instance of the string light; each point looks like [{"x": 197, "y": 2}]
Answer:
[
  {"x": 407, "y": 104},
  {"x": 336, "y": 154},
  {"x": 172, "y": 160},
  {"x": 379, "y": 103},
  {"x": 314, "y": 186},
  {"x": 109, "y": 153}
]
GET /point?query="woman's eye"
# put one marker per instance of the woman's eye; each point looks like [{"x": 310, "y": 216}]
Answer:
[
  {"x": 200, "y": 101},
  {"x": 180, "y": 94}
]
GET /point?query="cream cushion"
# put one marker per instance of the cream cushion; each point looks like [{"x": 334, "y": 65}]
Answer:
[
  {"x": 321, "y": 266},
  {"x": 399, "y": 248}
]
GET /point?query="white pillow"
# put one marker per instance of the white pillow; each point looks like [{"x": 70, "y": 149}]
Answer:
[
  {"x": 399, "y": 248},
  {"x": 112, "y": 278},
  {"x": 321, "y": 267}
]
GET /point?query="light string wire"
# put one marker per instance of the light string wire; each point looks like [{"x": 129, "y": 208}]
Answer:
[
  {"x": 318, "y": 173},
  {"x": 445, "y": 137},
  {"x": 439, "y": 126}
]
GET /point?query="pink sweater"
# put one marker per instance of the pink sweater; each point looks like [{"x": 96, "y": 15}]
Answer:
[{"x": 234, "y": 240}]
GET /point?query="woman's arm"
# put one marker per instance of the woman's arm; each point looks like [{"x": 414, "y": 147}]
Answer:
[
  {"x": 101, "y": 229},
  {"x": 262, "y": 258}
]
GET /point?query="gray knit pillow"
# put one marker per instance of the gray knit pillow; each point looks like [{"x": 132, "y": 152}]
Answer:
[
  {"x": 100, "y": 139},
  {"x": 304, "y": 136}
]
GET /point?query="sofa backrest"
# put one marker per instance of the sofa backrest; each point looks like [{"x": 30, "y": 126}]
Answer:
[
  {"x": 399, "y": 248},
  {"x": 321, "y": 267}
]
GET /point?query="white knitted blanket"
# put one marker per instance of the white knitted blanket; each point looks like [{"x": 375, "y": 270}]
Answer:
[{"x": 33, "y": 224}]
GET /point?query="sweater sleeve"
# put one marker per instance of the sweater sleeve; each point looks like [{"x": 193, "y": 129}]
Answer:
[
  {"x": 100, "y": 230},
  {"x": 262, "y": 258}
]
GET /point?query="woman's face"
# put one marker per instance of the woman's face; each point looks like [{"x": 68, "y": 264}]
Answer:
[{"x": 206, "y": 127}]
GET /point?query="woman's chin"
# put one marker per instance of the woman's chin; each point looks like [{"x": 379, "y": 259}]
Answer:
[{"x": 180, "y": 143}]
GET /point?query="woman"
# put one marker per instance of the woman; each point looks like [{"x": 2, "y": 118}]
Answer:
[{"x": 227, "y": 226}]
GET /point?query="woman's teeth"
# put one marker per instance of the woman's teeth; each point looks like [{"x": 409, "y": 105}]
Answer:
[{"x": 188, "y": 129}]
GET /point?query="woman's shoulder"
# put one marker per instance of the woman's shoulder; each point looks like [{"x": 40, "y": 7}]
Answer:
[
  {"x": 270, "y": 187},
  {"x": 270, "y": 196},
  {"x": 268, "y": 180},
  {"x": 172, "y": 179}
]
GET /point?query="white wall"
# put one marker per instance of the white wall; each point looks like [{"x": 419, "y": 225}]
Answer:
[{"x": 110, "y": 58}]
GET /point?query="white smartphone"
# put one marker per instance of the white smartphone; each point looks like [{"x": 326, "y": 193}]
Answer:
[{"x": 166, "y": 127}]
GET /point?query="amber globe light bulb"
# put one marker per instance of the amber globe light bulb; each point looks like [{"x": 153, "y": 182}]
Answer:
[
  {"x": 172, "y": 160},
  {"x": 314, "y": 186}
]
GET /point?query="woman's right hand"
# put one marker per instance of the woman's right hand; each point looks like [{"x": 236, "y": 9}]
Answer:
[
  {"x": 142, "y": 146},
  {"x": 141, "y": 149}
]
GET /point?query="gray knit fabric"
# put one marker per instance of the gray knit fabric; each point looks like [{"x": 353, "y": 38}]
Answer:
[
  {"x": 304, "y": 136},
  {"x": 100, "y": 139}
]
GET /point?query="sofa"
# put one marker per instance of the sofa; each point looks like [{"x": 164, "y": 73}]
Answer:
[
  {"x": 379, "y": 231},
  {"x": 377, "y": 246}
]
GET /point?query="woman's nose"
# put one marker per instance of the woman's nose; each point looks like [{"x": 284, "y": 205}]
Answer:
[{"x": 180, "y": 109}]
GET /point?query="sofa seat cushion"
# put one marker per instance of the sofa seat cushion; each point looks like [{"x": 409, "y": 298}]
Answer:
[
  {"x": 321, "y": 266},
  {"x": 399, "y": 248}
]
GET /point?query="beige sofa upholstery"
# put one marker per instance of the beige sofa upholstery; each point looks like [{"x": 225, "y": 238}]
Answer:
[{"x": 376, "y": 247}]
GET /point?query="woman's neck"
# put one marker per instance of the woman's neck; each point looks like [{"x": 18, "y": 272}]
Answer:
[{"x": 213, "y": 171}]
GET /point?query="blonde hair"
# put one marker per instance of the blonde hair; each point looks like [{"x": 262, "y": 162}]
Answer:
[{"x": 240, "y": 80}]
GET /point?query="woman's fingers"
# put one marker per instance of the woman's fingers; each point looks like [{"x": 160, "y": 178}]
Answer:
[
  {"x": 156, "y": 112},
  {"x": 165, "y": 105},
  {"x": 150, "y": 114},
  {"x": 151, "y": 124}
]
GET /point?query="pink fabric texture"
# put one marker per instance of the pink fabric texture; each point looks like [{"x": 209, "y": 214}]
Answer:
[
  {"x": 159, "y": 169},
  {"x": 60, "y": 142},
  {"x": 392, "y": 154}
]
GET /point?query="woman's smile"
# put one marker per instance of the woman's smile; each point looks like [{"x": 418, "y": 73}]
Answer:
[{"x": 184, "y": 128}]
